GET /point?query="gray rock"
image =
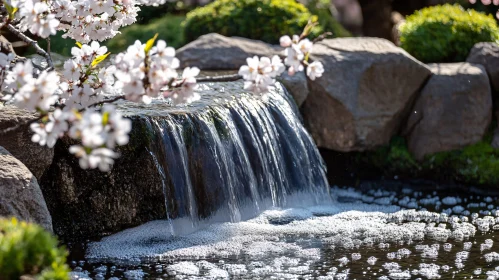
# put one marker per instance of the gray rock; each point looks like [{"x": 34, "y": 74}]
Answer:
[
  {"x": 18, "y": 142},
  {"x": 364, "y": 95},
  {"x": 20, "y": 194},
  {"x": 296, "y": 85},
  {"x": 217, "y": 52},
  {"x": 487, "y": 54},
  {"x": 454, "y": 109}
]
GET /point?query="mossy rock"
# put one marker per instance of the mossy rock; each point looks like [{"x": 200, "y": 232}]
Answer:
[
  {"x": 477, "y": 164},
  {"x": 28, "y": 250},
  {"x": 446, "y": 33},
  {"x": 264, "y": 20}
]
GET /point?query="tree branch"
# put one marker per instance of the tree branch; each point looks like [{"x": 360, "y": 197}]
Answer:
[
  {"x": 223, "y": 78},
  {"x": 34, "y": 44},
  {"x": 322, "y": 37},
  {"x": 111, "y": 100}
]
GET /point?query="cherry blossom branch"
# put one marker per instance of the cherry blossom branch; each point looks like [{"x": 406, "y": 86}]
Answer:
[
  {"x": 107, "y": 101},
  {"x": 322, "y": 37},
  {"x": 34, "y": 44},
  {"x": 222, "y": 78},
  {"x": 25, "y": 124},
  {"x": 24, "y": 59}
]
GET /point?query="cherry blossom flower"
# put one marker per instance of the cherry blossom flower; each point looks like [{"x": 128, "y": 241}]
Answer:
[
  {"x": 188, "y": 85},
  {"x": 5, "y": 59},
  {"x": 28, "y": 92},
  {"x": 101, "y": 158},
  {"x": 315, "y": 70},
  {"x": 47, "y": 134},
  {"x": 259, "y": 74}
]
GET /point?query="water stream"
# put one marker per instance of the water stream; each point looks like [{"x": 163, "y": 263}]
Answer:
[
  {"x": 231, "y": 155},
  {"x": 246, "y": 197}
]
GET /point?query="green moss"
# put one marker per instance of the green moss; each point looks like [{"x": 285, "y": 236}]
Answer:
[
  {"x": 264, "y": 20},
  {"x": 446, "y": 33},
  {"x": 168, "y": 27},
  {"x": 476, "y": 164},
  {"x": 28, "y": 250},
  {"x": 392, "y": 159}
]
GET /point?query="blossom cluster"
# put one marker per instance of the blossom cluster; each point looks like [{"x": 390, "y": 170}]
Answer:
[
  {"x": 260, "y": 73},
  {"x": 488, "y": 2},
  {"x": 82, "y": 20},
  {"x": 143, "y": 74}
]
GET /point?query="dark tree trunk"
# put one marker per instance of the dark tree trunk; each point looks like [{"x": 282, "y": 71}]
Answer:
[
  {"x": 377, "y": 18},
  {"x": 407, "y": 7}
]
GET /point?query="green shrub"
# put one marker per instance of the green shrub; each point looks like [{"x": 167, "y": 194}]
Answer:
[
  {"x": 264, "y": 20},
  {"x": 168, "y": 27},
  {"x": 446, "y": 33},
  {"x": 28, "y": 250}
]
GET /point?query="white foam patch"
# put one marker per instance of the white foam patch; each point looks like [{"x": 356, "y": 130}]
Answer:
[{"x": 277, "y": 243}]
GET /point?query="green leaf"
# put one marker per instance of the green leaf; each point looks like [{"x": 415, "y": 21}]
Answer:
[
  {"x": 99, "y": 59},
  {"x": 105, "y": 118},
  {"x": 11, "y": 10},
  {"x": 150, "y": 43}
]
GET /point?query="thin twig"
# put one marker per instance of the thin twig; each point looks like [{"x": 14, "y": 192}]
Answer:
[
  {"x": 24, "y": 59},
  {"x": 34, "y": 44},
  {"x": 223, "y": 78},
  {"x": 322, "y": 37},
  {"x": 111, "y": 100}
]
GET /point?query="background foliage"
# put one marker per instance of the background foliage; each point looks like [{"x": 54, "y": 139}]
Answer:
[
  {"x": 264, "y": 20},
  {"x": 28, "y": 250},
  {"x": 446, "y": 33}
]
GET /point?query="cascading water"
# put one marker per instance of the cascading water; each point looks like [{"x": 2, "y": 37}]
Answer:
[
  {"x": 231, "y": 160},
  {"x": 226, "y": 157},
  {"x": 231, "y": 156}
]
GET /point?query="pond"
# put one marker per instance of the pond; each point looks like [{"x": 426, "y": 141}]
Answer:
[{"x": 375, "y": 232}]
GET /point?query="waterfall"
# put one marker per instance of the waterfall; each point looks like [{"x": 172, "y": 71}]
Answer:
[
  {"x": 234, "y": 158},
  {"x": 227, "y": 157}
]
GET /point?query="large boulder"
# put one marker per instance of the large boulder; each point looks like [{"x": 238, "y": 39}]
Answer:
[
  {"x": 217, "y": 52},
  {"x": 223, "y": 156},
  {"x": 296, "y": 85},
  {"x": 453, "y": 111},
  {"x": 363, "y": 97},
  {"x": 487, "y": 54},
  {"x": 18, "y": 141},
  {"x": 20, "y": 194}
]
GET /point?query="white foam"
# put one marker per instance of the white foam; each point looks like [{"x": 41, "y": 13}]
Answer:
[{"x": 274, "y": 244}]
